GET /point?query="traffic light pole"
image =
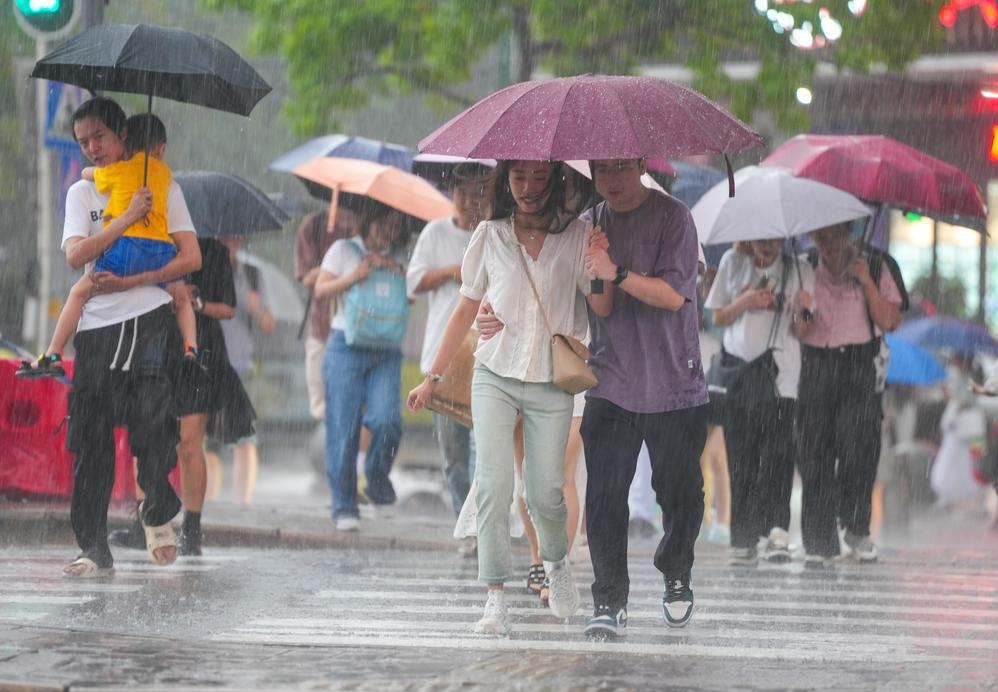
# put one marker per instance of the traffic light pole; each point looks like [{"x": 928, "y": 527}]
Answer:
[{"x": 45, "y": 202}]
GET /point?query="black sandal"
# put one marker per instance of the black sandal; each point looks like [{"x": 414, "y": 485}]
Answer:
[
  {"x": 537, "y": 582},
  {"x": 45, "y": 366}
]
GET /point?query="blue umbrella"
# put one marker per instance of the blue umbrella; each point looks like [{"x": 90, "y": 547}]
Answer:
[
  {"x": 912, "y": 365},
  {"x": 346, "y": 147},
  {"x": 343, "y": 146},
  {"x": 691, "y": 182},
  {"x": 949, "y": 333}
]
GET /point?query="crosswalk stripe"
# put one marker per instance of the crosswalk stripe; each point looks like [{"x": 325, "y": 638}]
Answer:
[
  {"x": 668, "y": 649},
  {"x": 709, "y": 600}
]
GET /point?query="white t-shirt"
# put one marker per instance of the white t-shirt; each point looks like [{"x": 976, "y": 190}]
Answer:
[
  {"x": 441, "y": 244},
  {"x": 748, "y": 336},
  {"x": 340, "y": 260},
  {"x": 84, "y": 217},
  {"x": 521, "y": 350}
]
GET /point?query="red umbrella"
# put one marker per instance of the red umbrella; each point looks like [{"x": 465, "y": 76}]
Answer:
[
  {"x": 591, "y": 117},
  {"x": 883, "y": 170}
]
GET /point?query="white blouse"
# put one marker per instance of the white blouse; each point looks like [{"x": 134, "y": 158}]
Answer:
[{"x": 521, "y": 350}]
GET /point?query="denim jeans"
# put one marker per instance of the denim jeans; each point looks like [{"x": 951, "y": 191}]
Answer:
[
  {"x": 363, "y": 388},
  {"x": 496, "y": 402},
  {"x": 457, "y": 445}
]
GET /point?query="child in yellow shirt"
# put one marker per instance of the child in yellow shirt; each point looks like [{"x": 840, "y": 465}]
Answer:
[{"x": 144, "y": 246}]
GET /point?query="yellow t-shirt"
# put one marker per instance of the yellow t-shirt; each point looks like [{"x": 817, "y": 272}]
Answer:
[{"x": 122, "y": 179}]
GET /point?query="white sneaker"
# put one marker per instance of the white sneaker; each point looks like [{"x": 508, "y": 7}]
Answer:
[
  {"x": 564, "y": 597},
  {"x": 863, "y": 549},
  {"x": 495, "y": 619},
  {"x": 373, "y": 511},
  {"x": 777, "y": 546},
  {"x": 743, "y": 557},
  {"x": 347, "y": 524}
]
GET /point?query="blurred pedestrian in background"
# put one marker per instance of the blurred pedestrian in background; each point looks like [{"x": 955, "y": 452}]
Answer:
[
  {"x": 251, "y": 314},
  {"x": 435, "y": 270},
  {"x": 839, "y": 408},
  {"x": 363, "y": 378},
  {"x": 764, "y": 302},
  {"x": 312, "y": 241}
]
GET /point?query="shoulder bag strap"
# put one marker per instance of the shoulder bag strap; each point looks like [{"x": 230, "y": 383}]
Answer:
[
  {"x": 533, "y": 288},
  {"x": 774, "y": 329}
]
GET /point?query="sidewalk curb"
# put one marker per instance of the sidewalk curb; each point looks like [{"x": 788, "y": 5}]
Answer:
[
  {"x": 18, "y": 686},
  {"x": 50, "y": 526}
]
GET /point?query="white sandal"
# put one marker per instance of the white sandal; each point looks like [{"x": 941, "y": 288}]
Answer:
[
  {"x": 89, "y": 570},
  {"x": 159, "y": 537}
]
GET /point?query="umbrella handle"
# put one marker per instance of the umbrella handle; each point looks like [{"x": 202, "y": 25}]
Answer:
[{"x": 334, "y": 204}]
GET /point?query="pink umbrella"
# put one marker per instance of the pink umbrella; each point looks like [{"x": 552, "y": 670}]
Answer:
[
  {"x": 883, "y": 170},
  {"x": 591, "y": 117}
]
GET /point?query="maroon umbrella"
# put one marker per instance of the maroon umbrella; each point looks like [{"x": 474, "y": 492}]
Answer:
[
  {"x": 883, "y": 170},
  {"x": 591, "y": 117}
]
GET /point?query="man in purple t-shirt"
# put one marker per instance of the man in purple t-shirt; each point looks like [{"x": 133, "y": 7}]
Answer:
[{"x": 646, "y": 355}]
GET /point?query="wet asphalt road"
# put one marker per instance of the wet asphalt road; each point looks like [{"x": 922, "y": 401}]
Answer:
[{"x": 358, "y": 619}]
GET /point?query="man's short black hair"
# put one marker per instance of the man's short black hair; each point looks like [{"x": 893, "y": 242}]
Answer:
[
  {"x": 104, "y": 109},
  {"x": 145, "y": 132},
  {"x": 470, "y": 172}
]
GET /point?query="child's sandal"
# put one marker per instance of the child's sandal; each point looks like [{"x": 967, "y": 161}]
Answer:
[{"x": 537, "y": 582}]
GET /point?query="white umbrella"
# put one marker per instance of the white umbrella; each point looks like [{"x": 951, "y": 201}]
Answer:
[
  {"x": 771, "y": 203},
  {"x": 582, "y": 167}
]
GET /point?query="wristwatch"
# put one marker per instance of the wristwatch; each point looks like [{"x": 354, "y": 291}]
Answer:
[
  {"x": 433, "y": 377},
  {"x": 622, "y": 273}
]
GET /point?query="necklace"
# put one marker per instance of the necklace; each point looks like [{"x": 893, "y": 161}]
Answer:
[{"x": 530, "y": 233}]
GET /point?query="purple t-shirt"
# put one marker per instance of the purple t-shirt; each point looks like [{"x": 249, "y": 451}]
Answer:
[{"x": 647, "y": 359}]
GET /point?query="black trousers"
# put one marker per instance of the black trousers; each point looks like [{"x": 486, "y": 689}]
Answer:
[
  {"x": 761, "y": 448},
  {"x": 612, "y": 439},
  {"x": 122, "y": 376},
  {"x": 838, "y": 432}
]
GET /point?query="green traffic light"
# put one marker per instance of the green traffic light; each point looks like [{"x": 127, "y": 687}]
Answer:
[
  {"x": 38, "y": 6},
  {"x": 45, "y": 18}
]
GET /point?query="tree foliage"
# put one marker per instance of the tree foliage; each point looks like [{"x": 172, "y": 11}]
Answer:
[{"x": 339, "y": 55}]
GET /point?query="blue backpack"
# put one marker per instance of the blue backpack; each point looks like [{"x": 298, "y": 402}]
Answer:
[{"x": 376, "y": 309}]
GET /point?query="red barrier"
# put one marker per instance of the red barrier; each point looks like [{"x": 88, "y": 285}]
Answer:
[{"x": 33, "y": 456}]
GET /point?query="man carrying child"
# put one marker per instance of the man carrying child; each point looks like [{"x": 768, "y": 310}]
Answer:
[{"x": 127, "y": 345}]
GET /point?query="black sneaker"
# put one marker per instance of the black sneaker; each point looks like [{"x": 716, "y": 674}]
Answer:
[
  {"x": 677, "y": 602},
  {"x": 607, "y": 623}
]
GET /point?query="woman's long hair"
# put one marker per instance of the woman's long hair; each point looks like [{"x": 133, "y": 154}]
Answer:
[{"x": 553, "y": 215}]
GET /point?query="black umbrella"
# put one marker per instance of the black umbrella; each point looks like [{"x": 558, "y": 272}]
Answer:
[
  {"x": 157, "y": 61},
  {"x": 225, "y": 204}
]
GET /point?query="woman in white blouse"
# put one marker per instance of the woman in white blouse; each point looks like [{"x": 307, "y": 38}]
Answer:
[
  {"x": 764, "y": 300},
  {"x": 513, "y": 370}
]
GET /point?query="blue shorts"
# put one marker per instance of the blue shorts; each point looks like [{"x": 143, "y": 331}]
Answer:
[{"x": 129, "y": 256}]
